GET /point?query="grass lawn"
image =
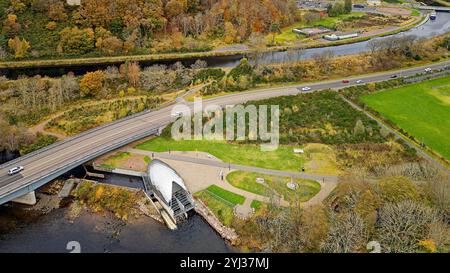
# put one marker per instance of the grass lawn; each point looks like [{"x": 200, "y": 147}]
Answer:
[
  {"x": 228, "y": 196},
  {"x": 247, "y": 181},
  {"x": 287, "y": 35},
  {"x": 126, "y": 160},
  {"x": 256, "y": 205},
  {"x": 423, "y": 110},
  {"x": 222, "y": 210},
  {"x": 221, "y": 202},
  {"x": 281, "y": 159}
]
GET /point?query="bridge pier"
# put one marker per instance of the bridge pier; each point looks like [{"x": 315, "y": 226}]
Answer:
[{"x": 27, "y": 199}]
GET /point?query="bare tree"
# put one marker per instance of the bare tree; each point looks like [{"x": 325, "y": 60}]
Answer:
[
  {"x": 347, "y": 234},
  {"x": 401, "y": 226}
]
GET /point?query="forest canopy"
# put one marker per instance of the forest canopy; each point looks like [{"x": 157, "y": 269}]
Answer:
[{"x": 53, "y": 27}]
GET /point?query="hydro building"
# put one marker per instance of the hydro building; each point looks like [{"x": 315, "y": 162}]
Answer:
[{"x": 168, "y": 188}]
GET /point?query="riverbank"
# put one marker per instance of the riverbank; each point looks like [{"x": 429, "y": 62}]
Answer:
[
  {"x": 53, "y": 222},
  {"x": 191, "y": 57}
]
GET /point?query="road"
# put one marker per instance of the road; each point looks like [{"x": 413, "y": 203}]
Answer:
[{"x": 46, "y": 164}]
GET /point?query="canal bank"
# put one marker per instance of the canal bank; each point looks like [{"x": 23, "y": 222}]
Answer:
[{"x": 54, "y": 68}]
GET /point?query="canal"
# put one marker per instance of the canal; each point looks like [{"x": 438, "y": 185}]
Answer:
[{"x": 429, "y": 29}]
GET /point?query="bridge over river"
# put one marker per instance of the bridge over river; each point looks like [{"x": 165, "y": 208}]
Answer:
[{"x": 48, "y": 163}]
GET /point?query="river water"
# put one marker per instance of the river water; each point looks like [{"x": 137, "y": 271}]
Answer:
[
  {"x": 98, "y": 233},
  {"x": 429, "y": 29}
]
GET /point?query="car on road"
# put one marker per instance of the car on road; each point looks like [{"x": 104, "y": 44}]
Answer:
[
  {"x": 177, "y": 114},
  {"x": 428, "y": 70},
  {"x": 306, "y": 88},
  {"x": 394, "y": 76},
  {"x": 359, "y": 81},
  {"x": 345, "y": 81},
  {"x": 15, "y": 170}
]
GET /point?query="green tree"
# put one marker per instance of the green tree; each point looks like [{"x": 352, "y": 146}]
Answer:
[
  {"x": 348, "y": 6},
  {"x": 274, "y": 29}
]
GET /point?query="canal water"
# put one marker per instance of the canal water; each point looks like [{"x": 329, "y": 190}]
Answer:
[
  {"x": 99, "y": 233},
  {"x": 431, "y": 28}
]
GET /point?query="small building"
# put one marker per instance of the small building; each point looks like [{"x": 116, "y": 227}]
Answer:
[
  {"x": 374, "y": 3},
  {"x": 169, "y": 189},
  {"x": 311, "y": 31},
  {"x": 336, "y": 37}
]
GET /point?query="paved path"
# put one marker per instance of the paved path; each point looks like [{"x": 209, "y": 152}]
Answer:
[
  {"x": 189, "y": 165},
  {"x": 217, "y": 163}
]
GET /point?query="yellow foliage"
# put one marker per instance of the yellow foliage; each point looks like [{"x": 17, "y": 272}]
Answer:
[
  {"x": 428, "y": 245},
  {"x": 19, "y": 46},
  {"x": 99, "y": 192}
]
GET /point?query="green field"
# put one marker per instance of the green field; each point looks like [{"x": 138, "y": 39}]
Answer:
[
  {"x": 281, "y": 159},
  {"x": 247, "y": 181},
  {"x": 423, "y": 110}
]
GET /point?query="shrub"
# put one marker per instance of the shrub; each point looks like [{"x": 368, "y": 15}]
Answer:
[{"x": 397, "y": 189}]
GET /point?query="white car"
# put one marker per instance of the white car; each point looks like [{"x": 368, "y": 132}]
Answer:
[
  {"x": 177, "y": 114},
  {"x": 359, "y": 81},
  {"x": 15, "y": 170},
  {"x": 428, "y": 70},
  {"x": 306, "y": 88}
]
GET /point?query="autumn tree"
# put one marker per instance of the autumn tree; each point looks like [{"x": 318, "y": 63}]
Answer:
[
  {"x": 76, "y": 41},
  {"x": 97, "y": 12},
  {"x": 19, "y": 47},
  {"x": 230, "y": 33},
  {"x": 92, "y": 83},
  {"x": 132, "y": 71},
  {"x": 11, "y": 26}
]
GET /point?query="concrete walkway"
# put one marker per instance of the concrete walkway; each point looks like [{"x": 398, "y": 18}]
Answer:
[
  {"x": 192, "y": 167},
  {"x": 200, "y": 158}
]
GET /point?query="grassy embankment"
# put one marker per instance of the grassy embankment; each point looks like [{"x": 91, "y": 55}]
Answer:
[
  {"x": 422, "y": 110},
  {"x": 281, "y": 159},
  {"x": 221, "y": 202},
  {"x": 125, "y": 160}
]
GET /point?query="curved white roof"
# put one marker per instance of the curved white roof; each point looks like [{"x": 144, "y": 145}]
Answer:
[{"x": 162, "y": 176}]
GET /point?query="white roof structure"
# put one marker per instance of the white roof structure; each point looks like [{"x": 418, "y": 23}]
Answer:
[{"x": 163, "y": 178}]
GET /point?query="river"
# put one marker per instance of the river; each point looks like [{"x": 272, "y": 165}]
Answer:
[
  {"x": 429, "y": 29},
  {"x": 99, "y": 233}
]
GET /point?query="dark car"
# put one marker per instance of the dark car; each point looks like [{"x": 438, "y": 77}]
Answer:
[
  {"x": 345, "y": 81},
  {"x": 394, "y": 76}
]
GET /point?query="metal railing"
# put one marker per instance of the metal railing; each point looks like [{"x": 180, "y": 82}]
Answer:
[{"x": 82, "y": 160}]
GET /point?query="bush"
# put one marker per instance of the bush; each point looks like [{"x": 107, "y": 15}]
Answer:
[{"x": 397, "y": 189}]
